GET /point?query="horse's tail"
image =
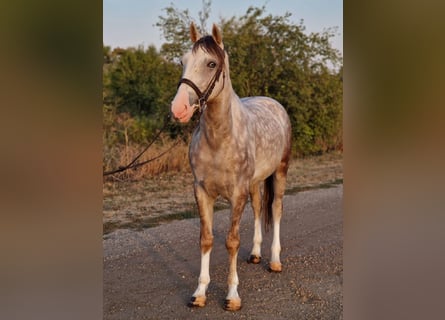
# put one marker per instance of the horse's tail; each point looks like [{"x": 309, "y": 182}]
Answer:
[{"x": 268, "y": 196}]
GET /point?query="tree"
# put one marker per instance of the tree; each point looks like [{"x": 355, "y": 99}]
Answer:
[
  {"x": 138, "y": 86},
  {"x": 141, "y": 82},
  {"x": 270, "y": 55},
  {"x": 175, "y": 29}
]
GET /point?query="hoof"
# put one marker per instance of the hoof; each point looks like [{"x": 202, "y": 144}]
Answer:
[
  {"x": 275, "y": 267},
  {"x": 232, "y": 304},
  {"x": 254, "y": 259},
  {"x": 197, "y": 302}
]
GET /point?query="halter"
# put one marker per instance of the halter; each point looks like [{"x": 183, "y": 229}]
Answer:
[{"x": 203, "y": 96}]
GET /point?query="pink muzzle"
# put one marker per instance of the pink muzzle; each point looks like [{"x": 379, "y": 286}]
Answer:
[{"x": 180, "y": 107}]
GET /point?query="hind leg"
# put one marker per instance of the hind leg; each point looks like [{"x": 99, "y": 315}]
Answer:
[
  {"x": 277, "y": 210},
  {"x": 255, "y": 196}
]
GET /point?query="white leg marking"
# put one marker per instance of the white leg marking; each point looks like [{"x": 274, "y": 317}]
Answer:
[
  {"x": 233, "y": 292},
  {"x": 233, "y": 280},
  {"x": 233, "y": 301},
  {"x": 257, "y": 239},
  {"x": 276, "y": 247},
  {"x": 204, "y": 276},
  {"x": 233, "y": 288}
]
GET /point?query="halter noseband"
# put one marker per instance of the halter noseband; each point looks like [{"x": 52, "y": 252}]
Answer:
[{"x": 203, "y": 96}]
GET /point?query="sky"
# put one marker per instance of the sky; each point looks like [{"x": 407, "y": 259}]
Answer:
[{"x": 132, "y": 22}]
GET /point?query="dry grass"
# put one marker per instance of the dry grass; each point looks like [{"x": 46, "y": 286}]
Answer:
[
  {"x": 174, "y": 161},
  {"x": 314, "y": 172},
  {"x": 148, "y": 200}
]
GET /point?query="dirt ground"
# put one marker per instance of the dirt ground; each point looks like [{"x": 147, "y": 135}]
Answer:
[
  {"x": 150, "y": 273},
  {"x": 145, "y": 203}
]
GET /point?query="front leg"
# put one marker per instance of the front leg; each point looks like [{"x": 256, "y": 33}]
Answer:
[
  {"x": 205, "y": 207},
  {"x": 233, "y": 301}
]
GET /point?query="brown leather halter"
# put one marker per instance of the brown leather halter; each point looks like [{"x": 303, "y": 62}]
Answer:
[{"x": 203, "y": 96}]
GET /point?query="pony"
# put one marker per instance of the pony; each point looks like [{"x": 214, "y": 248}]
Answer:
[{"x": 239, "y": 147}]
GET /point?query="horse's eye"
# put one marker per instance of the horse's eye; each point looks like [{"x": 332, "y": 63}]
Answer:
[
  {"x": 211, "y": 64},
  {"x": 180, "y": 61}
]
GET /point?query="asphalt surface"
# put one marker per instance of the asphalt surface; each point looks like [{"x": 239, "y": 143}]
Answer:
[{"x": 151, "y": 274}]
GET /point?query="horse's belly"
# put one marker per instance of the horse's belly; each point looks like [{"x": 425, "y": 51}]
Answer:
[{"x": 264, "y": 167}]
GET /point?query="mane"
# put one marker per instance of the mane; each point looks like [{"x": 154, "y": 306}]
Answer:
[{"x": 209, "y": 45}]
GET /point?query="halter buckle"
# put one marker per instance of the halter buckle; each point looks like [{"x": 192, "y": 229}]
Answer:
[{"x": 202, "y": 103}]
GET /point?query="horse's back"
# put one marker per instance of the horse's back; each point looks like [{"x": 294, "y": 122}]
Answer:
[
  {"x": 266, "y": 114},
  {"x": 266, "y": 108},
  {"x": 271, "y": 129}
]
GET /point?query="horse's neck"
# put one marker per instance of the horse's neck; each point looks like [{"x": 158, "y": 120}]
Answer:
[{"x": 219, "y": 118}]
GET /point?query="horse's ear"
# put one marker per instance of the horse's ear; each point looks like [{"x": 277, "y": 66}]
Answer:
[
  {"x": 217, "y": 36},
  {"x": 194, "y": 33}
]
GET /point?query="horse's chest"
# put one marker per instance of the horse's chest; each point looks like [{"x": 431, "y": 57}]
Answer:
[
  {"x": 220, "y": 163},
  {"x": 222, "y": 169}
]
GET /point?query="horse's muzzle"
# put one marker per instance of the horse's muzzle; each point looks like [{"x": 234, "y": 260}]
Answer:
[{"x": 180, "y": 107}]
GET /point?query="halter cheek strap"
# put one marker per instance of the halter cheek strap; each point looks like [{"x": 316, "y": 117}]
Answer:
[{"x": 203, "y": 96}]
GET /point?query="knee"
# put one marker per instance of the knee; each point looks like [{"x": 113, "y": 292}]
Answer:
[
  {"x": 206, "y": 243},
  {"x": 232, "y": 243},
  {"x": 256, "y": 207}
]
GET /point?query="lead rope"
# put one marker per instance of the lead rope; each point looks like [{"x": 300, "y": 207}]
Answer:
[{"x": 133, "y": 163}]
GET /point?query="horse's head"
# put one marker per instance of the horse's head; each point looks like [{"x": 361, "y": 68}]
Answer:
[{"x": 203, "y": 69}]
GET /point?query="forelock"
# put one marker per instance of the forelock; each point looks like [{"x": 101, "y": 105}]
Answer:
[{"x": 209, "y": 45}]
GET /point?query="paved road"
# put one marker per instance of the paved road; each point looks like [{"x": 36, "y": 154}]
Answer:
[{"x": 151, "y": 274}]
